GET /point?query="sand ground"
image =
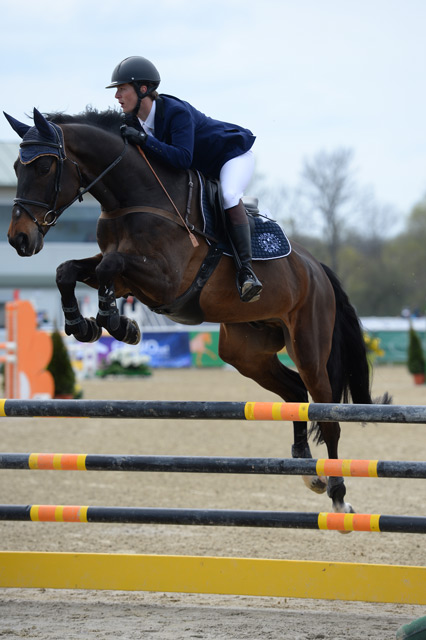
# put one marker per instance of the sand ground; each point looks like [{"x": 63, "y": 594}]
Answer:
[{"x": 52, "y": 614}]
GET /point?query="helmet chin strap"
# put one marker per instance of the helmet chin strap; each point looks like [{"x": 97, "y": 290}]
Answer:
[{"x": 140, "y": 96}]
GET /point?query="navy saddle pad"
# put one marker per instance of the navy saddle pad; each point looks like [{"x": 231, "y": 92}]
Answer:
[{"x": 268, "y": 240}]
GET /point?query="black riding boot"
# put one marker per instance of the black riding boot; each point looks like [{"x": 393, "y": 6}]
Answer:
[{"x": 249, "y": 287}]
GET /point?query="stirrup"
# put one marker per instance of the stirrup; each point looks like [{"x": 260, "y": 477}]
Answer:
[{"x": 249, "y": 287}]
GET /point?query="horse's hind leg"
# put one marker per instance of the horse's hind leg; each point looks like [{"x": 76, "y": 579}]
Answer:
[
  {"x": 67, "y": 276},
  {"x": 252, "y": 351},
  {"x": 314, "y": 373},
  {"x": 336, "y": 488},
  {"x": 118, "y": 326}
]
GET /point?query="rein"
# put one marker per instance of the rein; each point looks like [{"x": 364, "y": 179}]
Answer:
[{"x": 193, "y": 239}]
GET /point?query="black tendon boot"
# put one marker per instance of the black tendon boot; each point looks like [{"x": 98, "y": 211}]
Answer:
[{"x": 249, "y": 287}]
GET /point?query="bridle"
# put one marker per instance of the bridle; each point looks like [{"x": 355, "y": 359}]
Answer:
[{"x": 52, "y": 214}]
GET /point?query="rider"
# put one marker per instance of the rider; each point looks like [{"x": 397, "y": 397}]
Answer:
[{"x": 176, "y": 132}]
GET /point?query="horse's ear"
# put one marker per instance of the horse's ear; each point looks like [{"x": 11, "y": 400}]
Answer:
[
  {"x": 20, "y": 128},
  {"x": 42, "y": 125}
]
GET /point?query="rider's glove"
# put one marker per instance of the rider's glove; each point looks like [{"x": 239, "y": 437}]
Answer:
[{"x": 133, "y": 135}]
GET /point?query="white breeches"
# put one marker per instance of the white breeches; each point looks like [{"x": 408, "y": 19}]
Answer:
[{"x": 235, "y": 176}]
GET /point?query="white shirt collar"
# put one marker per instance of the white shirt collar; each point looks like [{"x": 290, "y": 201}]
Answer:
[{"x": 149, "y": 124}]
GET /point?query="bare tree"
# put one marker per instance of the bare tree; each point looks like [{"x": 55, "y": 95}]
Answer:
[
  {"x": 274, "y": 198},
  {"x": 329, "y": 187},
  {"x": 380, "y": 220}
]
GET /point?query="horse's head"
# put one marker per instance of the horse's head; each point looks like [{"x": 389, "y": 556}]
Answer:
[{"x": 39, "y": 170}]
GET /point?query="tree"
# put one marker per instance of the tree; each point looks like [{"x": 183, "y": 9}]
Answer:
[
  {"x": 417, "y": 220},
  {"x": 379, "y": 220},
  {"x": 276, "y": 198},
  {"x": 329, "y": 187},
  {"x": 373, "y": 282},
  {"x": 408, "y": 251}
]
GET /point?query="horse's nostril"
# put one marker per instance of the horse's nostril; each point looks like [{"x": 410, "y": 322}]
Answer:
[
  {"x": 20, "y": 243},
  {"x": 11, "y": 240}
]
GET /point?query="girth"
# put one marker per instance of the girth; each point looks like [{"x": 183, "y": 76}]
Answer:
[{"x": 186, "y": 308}]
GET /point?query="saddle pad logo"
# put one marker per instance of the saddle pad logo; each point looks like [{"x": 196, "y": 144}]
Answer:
[{"x": 269, "y": 243}]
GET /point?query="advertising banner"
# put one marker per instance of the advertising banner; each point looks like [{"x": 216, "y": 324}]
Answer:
[{"x": 163, "y": 349}]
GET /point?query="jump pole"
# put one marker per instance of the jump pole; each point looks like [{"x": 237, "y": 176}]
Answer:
[
  {"x": 209, "y": 464},
  {"x": 214, "y": 517},
  {"x": 211, "y": 575},
  {"x": 289, "y": 411}
]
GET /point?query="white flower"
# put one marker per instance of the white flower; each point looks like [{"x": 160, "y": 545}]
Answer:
[{"x": 127, "y": 357}]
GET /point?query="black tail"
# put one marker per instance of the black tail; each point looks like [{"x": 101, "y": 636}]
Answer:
[{"x": 347, "y": 366}]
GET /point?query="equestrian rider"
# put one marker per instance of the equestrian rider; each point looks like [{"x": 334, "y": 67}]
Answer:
[{"x": 174, "y": 131}]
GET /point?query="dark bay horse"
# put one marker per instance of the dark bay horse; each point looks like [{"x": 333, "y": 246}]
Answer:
[{"x": 152, "y": 247}]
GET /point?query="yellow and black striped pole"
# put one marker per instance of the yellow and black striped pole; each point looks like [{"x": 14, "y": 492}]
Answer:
[
  {"x": 212, "y": 517},
  {"x": 206, "y": 464},
  {"x": 287, "y": 411}
]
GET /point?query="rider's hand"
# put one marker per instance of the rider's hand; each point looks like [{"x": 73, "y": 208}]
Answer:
[{"x": 132, "y": 135}]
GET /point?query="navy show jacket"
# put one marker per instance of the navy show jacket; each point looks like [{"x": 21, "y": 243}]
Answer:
[{"x": 186, "y": 138}]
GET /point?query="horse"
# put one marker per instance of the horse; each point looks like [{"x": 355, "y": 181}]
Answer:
[{"x": 153, "y": 247}]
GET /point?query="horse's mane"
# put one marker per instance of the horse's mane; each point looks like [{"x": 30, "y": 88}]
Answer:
[{"x": 109, "y": 119}]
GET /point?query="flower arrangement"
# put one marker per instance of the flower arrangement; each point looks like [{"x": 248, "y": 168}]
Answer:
[
  {"x": 372, "y": 346},
  {"x": 124, "y": 361}
]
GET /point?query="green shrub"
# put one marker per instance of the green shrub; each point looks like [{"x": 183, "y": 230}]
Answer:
[
  {"x": 416, "y": 360},
  {"x": 61, "y": 368}
]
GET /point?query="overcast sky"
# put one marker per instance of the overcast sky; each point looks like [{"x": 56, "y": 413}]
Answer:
[{"x": 303, "y": 75}]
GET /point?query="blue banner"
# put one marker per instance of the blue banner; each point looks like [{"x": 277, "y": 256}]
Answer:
[{"x": 165, "y": 349}]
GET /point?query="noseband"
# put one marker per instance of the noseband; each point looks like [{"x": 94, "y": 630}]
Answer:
[{"x": 43, "y": 225}]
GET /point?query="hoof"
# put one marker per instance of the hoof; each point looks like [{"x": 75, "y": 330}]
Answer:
[
  {"x": 318, "y": 484},
  {"x": 85, "y": 331},
  {"x": 133, "y": 334},
  {"x": 345, "y": 508},
  {"x": 123, "y": 329}
]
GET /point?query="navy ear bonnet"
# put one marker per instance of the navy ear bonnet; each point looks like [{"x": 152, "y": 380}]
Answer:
[
  {"x": 34, "y": 144},
  {"x": 43, "y": 139}
]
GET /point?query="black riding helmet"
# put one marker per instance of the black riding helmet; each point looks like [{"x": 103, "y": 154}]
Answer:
[{"x": 135, "y": 69}]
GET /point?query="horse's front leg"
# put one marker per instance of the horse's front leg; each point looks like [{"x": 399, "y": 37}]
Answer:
[
  {"x": 119, "y": 327},
  {"x": 67, "y": 275}
]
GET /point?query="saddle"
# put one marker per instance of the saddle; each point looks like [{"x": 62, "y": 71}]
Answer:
[
  {"x": 268, "y": 240},
  {"x": 215, "y": 200}
]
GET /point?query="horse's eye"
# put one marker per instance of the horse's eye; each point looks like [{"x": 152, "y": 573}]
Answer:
[{"x": 44, "y": 168}]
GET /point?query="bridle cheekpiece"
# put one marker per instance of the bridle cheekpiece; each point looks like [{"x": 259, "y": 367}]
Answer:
[{"x": 32, "y": 147}]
